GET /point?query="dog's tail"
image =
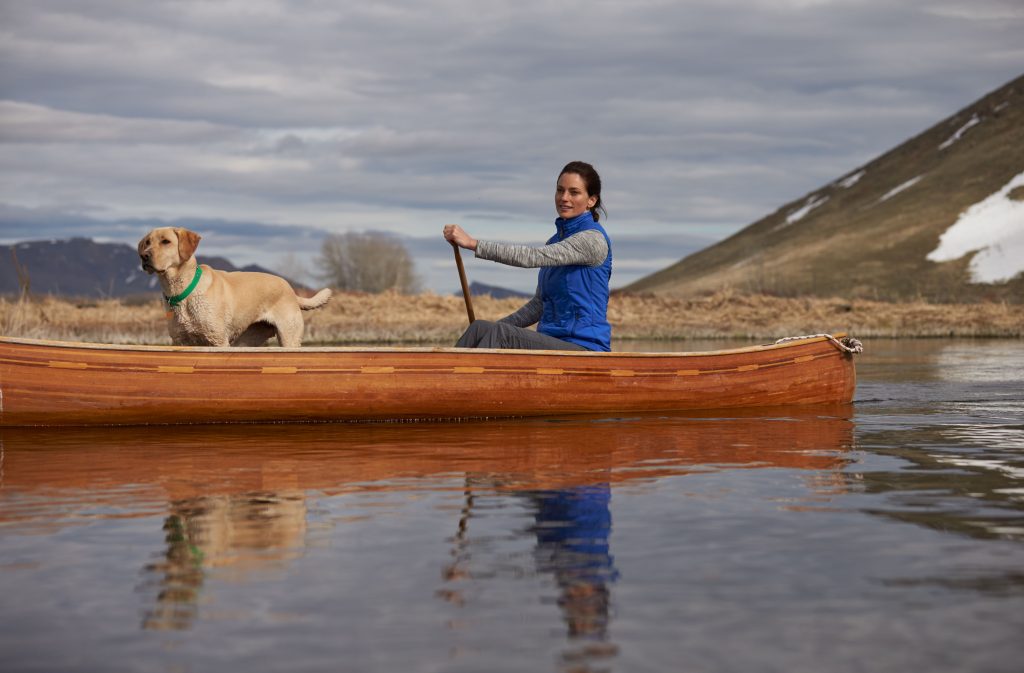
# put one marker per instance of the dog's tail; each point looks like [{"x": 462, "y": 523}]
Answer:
[{"x": 316, "y": 301}]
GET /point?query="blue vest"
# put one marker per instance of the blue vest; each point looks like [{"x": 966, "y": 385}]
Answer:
[{"x": 575, "y": 298}]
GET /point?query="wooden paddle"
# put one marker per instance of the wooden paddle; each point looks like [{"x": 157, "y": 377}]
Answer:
[{"x": 465, "y": 285}]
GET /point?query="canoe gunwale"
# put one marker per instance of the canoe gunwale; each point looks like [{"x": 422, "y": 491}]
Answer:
[{"x": 160, "y": 348}]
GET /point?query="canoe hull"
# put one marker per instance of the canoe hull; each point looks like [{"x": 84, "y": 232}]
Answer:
[{"x": 60, "y": 383}]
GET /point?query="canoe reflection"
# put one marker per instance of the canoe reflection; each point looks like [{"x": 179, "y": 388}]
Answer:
[
  {"x": 234, "y": 498},
  {"x": 189, "y": 461}
]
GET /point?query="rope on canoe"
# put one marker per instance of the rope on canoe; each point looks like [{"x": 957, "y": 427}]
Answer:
[{"x": 847, "y": 344}]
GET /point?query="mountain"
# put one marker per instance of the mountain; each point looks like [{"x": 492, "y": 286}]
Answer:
[
  {"x": 476, "y": 288},
  {"x": 81, "y": 267},
  {"x": 877, "y": 232}
]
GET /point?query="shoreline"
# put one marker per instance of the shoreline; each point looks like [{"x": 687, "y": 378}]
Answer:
[{"x": 392, "y": 318}]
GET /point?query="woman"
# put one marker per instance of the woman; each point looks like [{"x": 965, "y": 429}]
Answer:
[{"x": 571, "y": 301}]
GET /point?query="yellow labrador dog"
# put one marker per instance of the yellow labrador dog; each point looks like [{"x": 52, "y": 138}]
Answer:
[{"x": 206, "y": 307}]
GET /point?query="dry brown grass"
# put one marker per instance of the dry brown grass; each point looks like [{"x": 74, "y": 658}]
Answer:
[
  {"x": 730, "y": 314},
  {"x": 433, "y": 319}
]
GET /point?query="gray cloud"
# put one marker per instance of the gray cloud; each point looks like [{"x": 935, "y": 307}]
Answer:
[{"x": 702, "y": 116}]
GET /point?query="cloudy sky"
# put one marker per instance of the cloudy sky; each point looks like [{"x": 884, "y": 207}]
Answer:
[{"x": 265, "y": 124}]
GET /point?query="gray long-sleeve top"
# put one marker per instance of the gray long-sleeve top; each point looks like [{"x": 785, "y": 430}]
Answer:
[{"x": 587, "y": 248}]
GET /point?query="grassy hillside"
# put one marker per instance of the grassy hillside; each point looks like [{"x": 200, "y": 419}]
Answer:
[{"x": 867, "y": 234}]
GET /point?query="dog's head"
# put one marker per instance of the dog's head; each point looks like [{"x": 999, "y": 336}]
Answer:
[{"x": 167, "y": 247}]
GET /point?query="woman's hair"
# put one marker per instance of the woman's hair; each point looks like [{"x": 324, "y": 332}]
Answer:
[{"x": 593, "y": 182}]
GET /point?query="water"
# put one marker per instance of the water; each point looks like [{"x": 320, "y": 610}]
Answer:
[{"x": 886, "y": 536}]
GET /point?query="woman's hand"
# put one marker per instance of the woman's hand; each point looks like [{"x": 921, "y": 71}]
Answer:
[{"x": 453, "y": 233}]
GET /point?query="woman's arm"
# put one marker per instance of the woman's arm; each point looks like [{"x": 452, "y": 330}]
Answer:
[
  {"x": 528, "y": 314},
  {"x": 587, "y": 248}
]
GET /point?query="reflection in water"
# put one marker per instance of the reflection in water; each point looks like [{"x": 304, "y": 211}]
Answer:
[
  {"x": 571, "y": 530},
  {"x": 179, "y": 578},
  {"x": 570, "y": 501},
  {"x": 234, "y": 501},
  {"x": 950, "y": 413},
  {"x": 244, "y": 532},
  {"x": 572, "y": 543},
  {"x": 975, "y": 493}
]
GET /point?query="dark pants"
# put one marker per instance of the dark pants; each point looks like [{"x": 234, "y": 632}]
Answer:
[{"x": 487, "y": 334}]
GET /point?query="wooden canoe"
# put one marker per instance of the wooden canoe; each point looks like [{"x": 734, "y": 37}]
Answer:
[{"x": 69, "y": 383}]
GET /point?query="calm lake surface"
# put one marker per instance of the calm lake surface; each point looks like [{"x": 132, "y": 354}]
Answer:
[{"x": 884, "y": 536}]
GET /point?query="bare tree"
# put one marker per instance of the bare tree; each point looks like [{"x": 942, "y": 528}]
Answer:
[
  {"x": 367, "y": 262},
  {"x": 293, "y": 269}
]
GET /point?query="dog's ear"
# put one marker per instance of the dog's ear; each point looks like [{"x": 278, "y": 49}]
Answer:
[
  {"x": 188, "y": 241},
  {"x": 143, "y": 241}
]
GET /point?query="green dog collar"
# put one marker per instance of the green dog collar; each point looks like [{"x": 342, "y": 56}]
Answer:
[{"x": 178, "y": 298}]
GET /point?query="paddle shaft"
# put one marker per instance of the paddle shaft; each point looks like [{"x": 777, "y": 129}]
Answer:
[{"x": 465, "y": 285}]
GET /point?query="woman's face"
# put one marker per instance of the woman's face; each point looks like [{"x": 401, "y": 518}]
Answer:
[{"x": 571, "y": 198}]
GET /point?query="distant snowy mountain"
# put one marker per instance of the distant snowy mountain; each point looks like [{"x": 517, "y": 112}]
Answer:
[{"x": 940, "y": 217}]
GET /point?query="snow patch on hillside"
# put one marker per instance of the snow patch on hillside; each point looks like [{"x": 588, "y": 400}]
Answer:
[
  {"x": 850, "y": 181},
  {"x": 995, "y": 226},
  {"x": 896, "y": 190},
  {"x": 975, "y": 119},
  {"x": 801, "y": 212}
]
